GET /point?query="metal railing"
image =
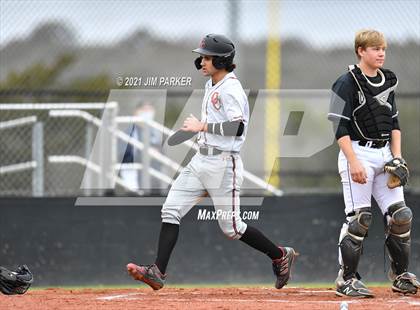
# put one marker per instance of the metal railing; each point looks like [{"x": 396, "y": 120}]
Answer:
[
  {"x": 107, "y": 165},
  {"x": 37, "y": 162}
]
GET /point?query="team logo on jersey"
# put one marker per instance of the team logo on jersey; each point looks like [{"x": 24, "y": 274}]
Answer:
[{"x": 215, "y": 101}]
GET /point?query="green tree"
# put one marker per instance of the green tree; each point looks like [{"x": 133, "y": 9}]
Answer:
[{"x": 37, "y": 76}]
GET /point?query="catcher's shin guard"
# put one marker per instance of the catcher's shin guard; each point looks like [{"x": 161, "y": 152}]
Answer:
[
  {"x": 351, "y": 241},
  {"x": 398, "y": 241}
]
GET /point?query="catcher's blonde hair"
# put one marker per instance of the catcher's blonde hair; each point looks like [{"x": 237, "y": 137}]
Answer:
[{"x": 368, "y": 38}]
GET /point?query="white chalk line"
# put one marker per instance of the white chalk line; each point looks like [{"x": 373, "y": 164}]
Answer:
[
  {"x": 210, "y": 300},
  {"x": 130, "y": 296},
  {"x": 122, "y": 296},
  {"x": 406, "y": 300}
]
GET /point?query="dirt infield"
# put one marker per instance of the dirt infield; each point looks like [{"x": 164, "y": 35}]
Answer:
[{"x": 203, "y": 298}]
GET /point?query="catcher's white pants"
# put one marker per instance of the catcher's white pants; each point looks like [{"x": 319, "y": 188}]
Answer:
[
  {"x": 358, "y": 195},
  {"x": 220, "y": 176}
]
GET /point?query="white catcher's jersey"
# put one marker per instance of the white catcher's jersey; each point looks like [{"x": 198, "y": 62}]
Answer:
[{"x": 223, "y": 102}]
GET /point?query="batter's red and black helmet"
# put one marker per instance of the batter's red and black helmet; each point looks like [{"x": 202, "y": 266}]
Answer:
[{"x": 220, "y": 47}]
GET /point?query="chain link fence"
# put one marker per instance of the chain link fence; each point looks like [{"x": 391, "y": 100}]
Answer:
[
  {"x": 56, "y": 137},
  {"x": 75, "y": 51}
]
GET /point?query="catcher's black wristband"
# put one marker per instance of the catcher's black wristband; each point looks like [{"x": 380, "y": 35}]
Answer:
[{"x": 235, "y": 128}]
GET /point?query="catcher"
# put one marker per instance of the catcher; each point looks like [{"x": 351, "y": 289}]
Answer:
[
  {"x": 370, "y": 163},
  {"x": 15, "y": 282}
]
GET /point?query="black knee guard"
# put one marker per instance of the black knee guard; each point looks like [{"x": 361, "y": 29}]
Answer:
[
  {"x": 351, "y": 241},
  {"x": 398, "y": 228}
]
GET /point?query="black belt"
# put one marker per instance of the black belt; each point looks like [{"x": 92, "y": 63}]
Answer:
[
  {"x": 210, "y": 151},
  {"x": 373, "y": 144}
]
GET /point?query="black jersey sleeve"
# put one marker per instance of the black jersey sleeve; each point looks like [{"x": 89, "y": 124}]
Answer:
[
  {"x": 341, "y": 128},
  {"x": 340, "y": 111},
  {"x": 342, "y": 93},
  {"x": 395, "y": 112}
]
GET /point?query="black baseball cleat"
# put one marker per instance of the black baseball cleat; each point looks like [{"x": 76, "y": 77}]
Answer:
[
  {"x": 405, "y": 283},
  {"x": 282, "y": 267},
  {"x": 353, "y": 288}
]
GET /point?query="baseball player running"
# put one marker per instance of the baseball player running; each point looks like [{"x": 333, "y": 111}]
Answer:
[
  {"x": 216, "y": 169},
  {"x": 365, "y": 119}
]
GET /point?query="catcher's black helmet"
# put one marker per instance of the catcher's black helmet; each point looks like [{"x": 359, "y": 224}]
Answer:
[{"x": 220, "y": 47}]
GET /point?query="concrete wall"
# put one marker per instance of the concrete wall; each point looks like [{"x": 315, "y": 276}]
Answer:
[{"x": 68, "y": 245}]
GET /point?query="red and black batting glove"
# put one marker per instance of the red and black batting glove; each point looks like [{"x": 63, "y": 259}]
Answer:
[{"x": 398, "y": 170}]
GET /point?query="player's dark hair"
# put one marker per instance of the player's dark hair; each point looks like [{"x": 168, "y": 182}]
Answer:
[{"x": 230, "y": 67}]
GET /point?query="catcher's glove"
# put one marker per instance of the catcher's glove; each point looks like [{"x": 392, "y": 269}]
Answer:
[
  {"x": 398, "y": 170},
  {"x": 15, "y": 282}
]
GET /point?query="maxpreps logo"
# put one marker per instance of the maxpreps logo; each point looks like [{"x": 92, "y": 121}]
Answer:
[
  {"x": 300, "y": 137},
  {"x": 206, "y": 215}
]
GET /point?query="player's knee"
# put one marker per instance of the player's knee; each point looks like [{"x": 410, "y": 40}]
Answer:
[
  {"x": 358, "y": 223},
  {"x": 227, "y": 230},
  {"x": 355, "y": 229},
  {"x": 230, "y": 233},
  {"x": 230, "y": 229},
  {"x": 399, "y": 218},
  {"x": 170, "y": 215}
]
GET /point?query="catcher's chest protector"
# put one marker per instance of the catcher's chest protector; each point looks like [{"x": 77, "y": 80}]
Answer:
[{"x": 373, "y": 115}]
